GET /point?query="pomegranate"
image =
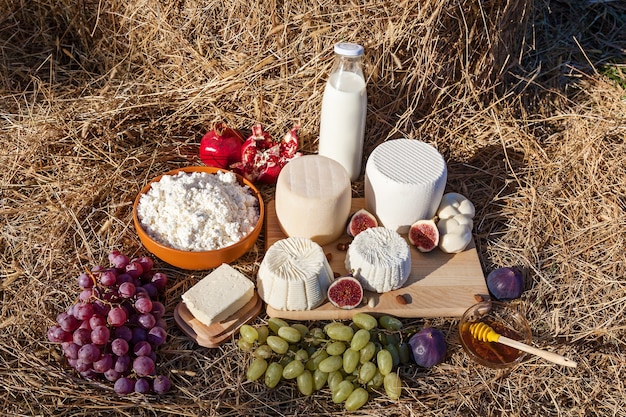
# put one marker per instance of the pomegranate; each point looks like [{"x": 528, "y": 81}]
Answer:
[
  {"x": 221, "y": 147},
  {"x": 262, "y": 157}
]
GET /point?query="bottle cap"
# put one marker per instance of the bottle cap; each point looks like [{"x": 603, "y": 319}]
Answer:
[{"x": 349, "y": 49}]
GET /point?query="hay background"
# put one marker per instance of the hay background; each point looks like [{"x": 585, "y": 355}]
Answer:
[{"x": 96, "y": 97}]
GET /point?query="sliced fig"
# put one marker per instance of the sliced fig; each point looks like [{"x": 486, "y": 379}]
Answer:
[
  {"x": 345, "y": 292},
  {"x": 359, "y": 221},
  {"x": 424, "y": 235}
]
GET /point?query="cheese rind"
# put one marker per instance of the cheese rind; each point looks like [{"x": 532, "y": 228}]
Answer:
[
  {"x": 404, "y": 182},
  {"x": 380, "y": 259},
  {"x": 218, "y": 295},
  {"x": 313, "y": 198},
  {"x": 294, "y": 275}
]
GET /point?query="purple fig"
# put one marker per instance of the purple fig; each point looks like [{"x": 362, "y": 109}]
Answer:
[
  {"x": 505, "y": 283},
  {"x": 428, "y": 347}
]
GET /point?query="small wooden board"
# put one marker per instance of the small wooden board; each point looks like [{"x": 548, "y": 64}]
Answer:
[
  {"x": 213, "y": 335},
  {"x": 440, "y": 284}
]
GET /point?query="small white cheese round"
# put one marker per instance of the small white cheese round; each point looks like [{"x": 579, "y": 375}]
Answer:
[
  {"x": 404, "y": 182},
  {"x": 380, "y": 258},
  {"x": 294, "y": 275},
  {"x": 313, "y": 198}
]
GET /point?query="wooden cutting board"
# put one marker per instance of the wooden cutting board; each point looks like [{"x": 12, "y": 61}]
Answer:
[
  {"x": 213, "y": 335},
  {"x": 440, "y": 284}
]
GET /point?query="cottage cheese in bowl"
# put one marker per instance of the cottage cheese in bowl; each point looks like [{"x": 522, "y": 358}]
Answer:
[{"x": 198, "y": 211}]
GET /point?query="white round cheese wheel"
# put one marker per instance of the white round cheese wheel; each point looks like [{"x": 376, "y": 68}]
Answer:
[
  {"x": 313, "y": 198},
  {"x": 404, "y": 182},
  {"x": 380, "y": 259},
  {"x": 294, "y": 275}
]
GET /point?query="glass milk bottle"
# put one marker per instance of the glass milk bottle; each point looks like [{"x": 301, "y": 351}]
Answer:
[{"x": 344, "y": 105}]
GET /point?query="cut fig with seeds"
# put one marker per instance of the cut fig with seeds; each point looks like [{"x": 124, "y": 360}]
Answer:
[
  {"x": 345, "y": 292},
  {"x": 424, "y": 235},
  {"x": 359, "y": 221}
]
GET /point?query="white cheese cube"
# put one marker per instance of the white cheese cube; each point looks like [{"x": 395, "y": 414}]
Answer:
[{"x": 218, "y": 295}]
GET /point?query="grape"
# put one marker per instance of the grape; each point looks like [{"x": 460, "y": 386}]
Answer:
[
  {"x": 277, "y": 344},
  {"x": 335, "y": 348},
  {"x": 158, "y": 309},
  {"x": 304, "y": 331},
  {"x": 304, "y": 382},
  {"x": 112, "y": 375},
  {"x": 301, "y": 355},
  {"x": 360, "y": 339},
  {"x": 123, "y": 364},
  {"x": 146, "y": 263},
  {"x": 244, "y": 346},
  {"x": 143, "y": 305},
  {"x": 82, "y": 366},
  {"x": 393, "y": 386},
  {"x": 124, "y": 386},
  {"x": 151, "y": 289},
  {"x": 367, "y": 353},
  {"x": 85, "y": 325},
  {"x": 97, "y": 320},
  {"x": 334, "y": 378},
  {"x": 85, "y": 295},
  {"x": 356, "y": 399},
  {"x": 157, "y": 335},
  {"x": 83, "y": 311},
  {"x": 256, "y": 369},
  {"x": 340, "y": 332},
  {"x": 365, "y": 321},
  {"x": 147, "y": 320},
  {"x": 248, "y": 333},
  {"x": 123, "y": 332},
  {"x": 290, "y": 334},
  {"x": 384, "y": 361},
  {"x": 103, "y": 364},
  {"x": 273, "y": 374},
  {"x": 100, "y": 335},
  {"x": 161, "y": 384},
  {"x": 84, "y": 280},
  {"x": 313, "y": 363},
  {"x": 367, "y": 372},
  {"x": 263, "y": 351},
  {"x": 142, "y": 349},
  {"x": 100, "y": 308},
  {"x": 118, "y": 259},
  {"x": 376, "y": 381},
  {"x": 108, "y": 278},
  {"x": 342, "y": 391},
  {"x": 274, "y": 323},
  {"x": 117, "y": 316},
  {"x": 159, "y": 280},
  {"x": 134, "y": 269},
  {"x": 143, "y": 366},
  {"x": 82, "y": 336},
  {"x": 350, "y": 360},
  {"x": 319, "y": 379},
  {"x": 68, "y": 322},
  {"x": 317, "y": 336},
  {"x": 389, "y": 322},
  {"x": 126, "y": 290},
  {"x": 395, "y": 355},
  {"x": 142, "y": 386},
  {"x": 293, "y": 369},
  {"x": 139, "y": 335},
  {"x": 331, "y": 363},
  {"x": 70, "y": 350},
  {"x": 404, "y": 351},
  {"x": 88, "y": 353}
]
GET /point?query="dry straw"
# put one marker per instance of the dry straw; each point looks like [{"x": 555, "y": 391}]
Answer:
[{"x": 96, "y": 97}]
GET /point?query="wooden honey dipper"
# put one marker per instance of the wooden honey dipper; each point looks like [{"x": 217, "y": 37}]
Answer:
[{"x": 485, "y": 333}]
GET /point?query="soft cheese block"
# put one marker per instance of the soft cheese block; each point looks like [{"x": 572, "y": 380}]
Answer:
[
  {"x": 313, "y": 198},
  {"x": 294, "y": 275},
  {"x": 404, "y": 182},
  {"x": 380, "y": 259},
  {"x": 218, "y": 295}
]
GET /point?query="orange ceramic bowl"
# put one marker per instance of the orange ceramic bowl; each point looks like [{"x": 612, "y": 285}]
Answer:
[{"x": 198, "y": 260}]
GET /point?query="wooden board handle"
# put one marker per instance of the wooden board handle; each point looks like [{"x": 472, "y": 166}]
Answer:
[{"x": 550, "y": 356}]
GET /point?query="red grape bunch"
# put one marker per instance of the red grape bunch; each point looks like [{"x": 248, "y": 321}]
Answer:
[{"x": 115, "y": 326}]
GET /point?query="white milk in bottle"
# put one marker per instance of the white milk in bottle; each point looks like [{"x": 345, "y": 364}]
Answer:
[{"x": 344, "y": 106}]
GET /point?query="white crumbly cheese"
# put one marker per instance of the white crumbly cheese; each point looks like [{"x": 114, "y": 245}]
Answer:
[
  {"x": 218, "y": 295},
  {"x": 198, "y": 211},
  {"x": 380, "y": 258},
  {"x": 294, "y": 275},
  {"x": 313, "y": 198}
]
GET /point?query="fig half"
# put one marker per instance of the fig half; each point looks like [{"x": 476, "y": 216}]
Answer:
[
  {"x": 424, "y": 235},
  {"x": 359, "y": 221},
  {"x": 345, "y": 292}
]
